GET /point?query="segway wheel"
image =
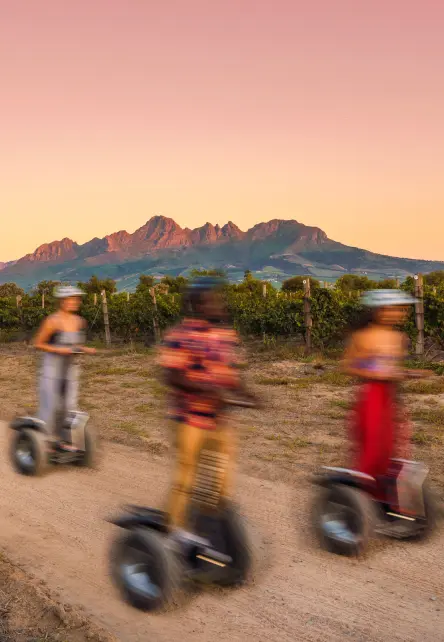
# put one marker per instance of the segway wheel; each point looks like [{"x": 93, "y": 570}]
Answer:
[
  {"x": 422, "y": 530},
  {"x": 88, "y": 459},
  {"x": 238, "y": 547},
  {"x": 145, "y": 571},
  {"x": 227, "y": 534},
  {"x": 29, "y": 453},
  {"x": 343, "y": 520}
]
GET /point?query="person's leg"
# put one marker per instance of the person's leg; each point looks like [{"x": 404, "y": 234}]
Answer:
[
  {"x": 72, "y": 389},
  {"x": 189, "y": 442},
  {"x": 227, "y": 447},
  {"x": 48, "y": 403}
]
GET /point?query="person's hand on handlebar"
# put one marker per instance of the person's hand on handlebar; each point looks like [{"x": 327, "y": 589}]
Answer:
[
  {"x": 418, "y": 374},
  {"x": 87, "y": 350}
]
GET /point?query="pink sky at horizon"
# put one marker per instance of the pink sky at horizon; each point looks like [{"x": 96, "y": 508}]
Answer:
[{"x": 327, "y": 112}]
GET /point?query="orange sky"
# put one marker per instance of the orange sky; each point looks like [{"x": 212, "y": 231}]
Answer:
[{"x": 331, "y": 113}]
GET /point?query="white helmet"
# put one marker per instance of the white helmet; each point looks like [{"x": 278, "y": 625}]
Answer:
[
  {"x": 382, "y": 298},
  {"x": 66, "y": 291}
]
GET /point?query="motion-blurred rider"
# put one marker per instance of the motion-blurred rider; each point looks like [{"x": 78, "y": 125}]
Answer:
[
  {"x": 60, "y": 336},
  {"x": 199, "y": 357}
]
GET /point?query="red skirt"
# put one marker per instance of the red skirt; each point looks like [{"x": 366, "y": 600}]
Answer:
[{"x": 380, "y": 429}]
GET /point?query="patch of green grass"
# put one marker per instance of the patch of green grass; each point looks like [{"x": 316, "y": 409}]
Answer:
[
  {"x": 335, "y": 378},
  {"x": 331, "y": 414},
  {"x": 132, "y": 384},
  {"x": 157, "y": 388},
  {"x": 433, "y": 416},
  {"x": 424, "y": 387},
  {"x": 86, "y": 405},
  {"x": 145, "y": 407},
  {"x": 341, "y": 403},
  {"x": 420, "y": 437},
  {"x": 274, "y": 381},
  {"x": 273, "y": 437},
  {"x": 99, "y": 381},
  {"x": 132, "y": 428},
  {"x": 437, "y": 367},
  {"x": 114, "y": 371},
  {"x": 297, "y": 442}
]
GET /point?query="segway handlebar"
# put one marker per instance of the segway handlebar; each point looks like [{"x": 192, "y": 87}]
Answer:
[{"x": 240, "y": 402}]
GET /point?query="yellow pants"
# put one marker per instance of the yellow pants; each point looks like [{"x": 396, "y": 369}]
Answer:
[{"x": 189, "y": 443}]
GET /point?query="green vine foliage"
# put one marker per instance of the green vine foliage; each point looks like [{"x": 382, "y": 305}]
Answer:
[{"x": 277, "y": 314}]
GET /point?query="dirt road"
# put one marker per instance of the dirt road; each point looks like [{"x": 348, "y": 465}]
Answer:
[{"x": 55, "y": 527}]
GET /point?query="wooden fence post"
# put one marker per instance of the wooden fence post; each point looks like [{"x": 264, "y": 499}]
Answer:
[
  {"x": 308, "y": 321},
  {"x": 398, "y": 283},
  {"x": 95, "y": 298},
  {"x": 18, "y": 300},
  {"x": 419, "y": 313},
  {"x": 127, "y": 296},
  {"x": 264, "y": 290},
  {"x": 43, "y": 300},
  {"x": 106, "y": 318},
  {"x": 155, "y": 324}
]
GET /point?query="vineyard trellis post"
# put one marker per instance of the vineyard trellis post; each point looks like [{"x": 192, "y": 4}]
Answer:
[
  {"x": 106, "y": 318},
  {"x": 419, "y": 313},
  {"x": 308, "y": 321},
  {"x": 155, "y": 323}
]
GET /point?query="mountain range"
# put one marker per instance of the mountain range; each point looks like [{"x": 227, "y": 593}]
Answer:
[{"x": 274, "y": 250}]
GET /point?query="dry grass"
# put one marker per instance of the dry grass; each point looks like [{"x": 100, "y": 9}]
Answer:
[
  {"x": 302, "y": 425},
  {"x": 425, "y": 387}
]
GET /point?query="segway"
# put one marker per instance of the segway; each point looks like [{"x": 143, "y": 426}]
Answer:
[
  {"x": 351, "y": 508},
  {"x": 34, "y": 448},
  {"x": 148, "y": 568}
]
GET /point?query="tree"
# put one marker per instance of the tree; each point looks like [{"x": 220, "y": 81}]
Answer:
[
  {"x": 435, "y": 279},
  {"x": 387, "y": 284},
  {"x": 146, "y": 281},
  {"x": 46, "y": 287},
  {"x": 96, "y": 286},
  {"x": 296, "y": 284},
  {"x": 10, "y": 289},
  {"x": 355, "y": 282},
  {"x": 195, "y": 273},
  {"x": 176, "y": 284}
]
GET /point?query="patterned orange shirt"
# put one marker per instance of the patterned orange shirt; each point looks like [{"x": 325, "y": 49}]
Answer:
[{"x": 205, "y": 353}]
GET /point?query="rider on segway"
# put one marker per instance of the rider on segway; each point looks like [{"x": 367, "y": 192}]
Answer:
[
  {"x": 382, "y": 490},
  {"x": 60, "y": 336},
  {"x": 380, "y": 429},
  {"x": 199, "y": 358}
]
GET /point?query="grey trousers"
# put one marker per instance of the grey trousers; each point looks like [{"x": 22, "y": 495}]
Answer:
[{"x": 58, "y": 390}]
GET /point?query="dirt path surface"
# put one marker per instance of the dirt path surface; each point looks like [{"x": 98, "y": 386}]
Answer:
[{"x": 54, "y": 526}]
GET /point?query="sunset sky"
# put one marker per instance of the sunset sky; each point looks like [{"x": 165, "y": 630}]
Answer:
[{"x": 328, "y": 111}]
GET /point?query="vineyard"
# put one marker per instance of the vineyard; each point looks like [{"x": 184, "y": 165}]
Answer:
[{"x": 257, "y": 309}]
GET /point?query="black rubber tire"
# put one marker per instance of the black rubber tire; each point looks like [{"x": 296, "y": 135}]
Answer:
[
  {"x": 147, "y": 548},
  {"x": 38, "y": 447},
  {"x": 89, "y": 457},
  {"x": 362, "y": 524},
  {"x": 238, "y": 547}
]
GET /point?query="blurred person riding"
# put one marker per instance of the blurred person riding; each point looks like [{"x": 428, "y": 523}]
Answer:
[
  {"x": 61, "y": 336},
  {"x": 199, "y": 357},
  {"x": 375, "y": 354}
]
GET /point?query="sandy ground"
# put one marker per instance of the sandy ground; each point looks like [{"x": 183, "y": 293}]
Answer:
[{"x": 54, "y": 526}]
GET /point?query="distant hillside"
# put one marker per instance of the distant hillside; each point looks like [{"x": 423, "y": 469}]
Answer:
[{"x": 273, "y": 250}]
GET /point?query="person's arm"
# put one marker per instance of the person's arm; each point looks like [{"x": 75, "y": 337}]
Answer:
[{"x": 44, "y": 334}]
